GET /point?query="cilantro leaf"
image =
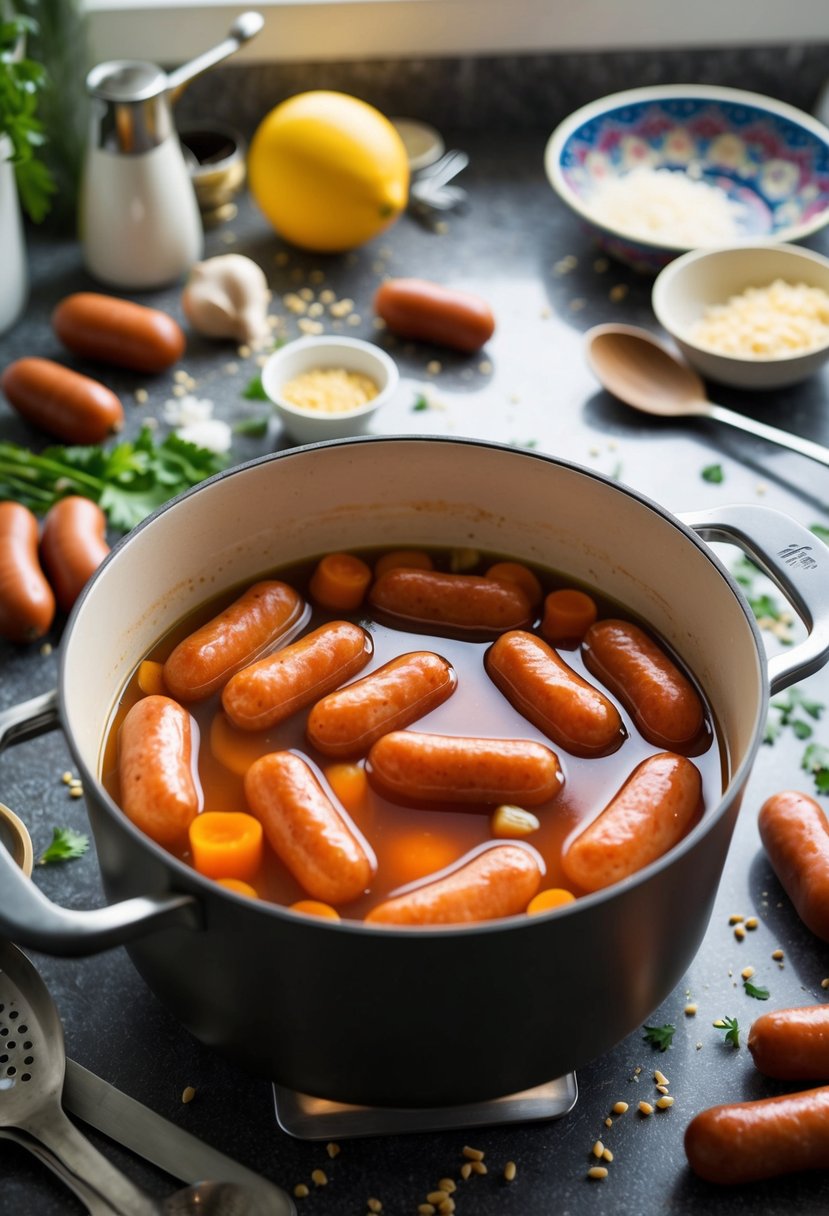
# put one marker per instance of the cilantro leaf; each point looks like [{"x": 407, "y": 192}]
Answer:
[
  {"x": 254, "y": 390},
  {"x": 66, "y": 845},
  {"x": 731, "y": 1028},
  {"x": 420, "y": 403},
  {"x": 660, "y": 1036},
  {"x": 759, "y": 994},
  {"x": 713, "y": 473},
  {"x": 816, "y": 761}
]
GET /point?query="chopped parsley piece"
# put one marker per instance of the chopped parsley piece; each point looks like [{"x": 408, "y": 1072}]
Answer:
[
  {"x": 67, "y": 844},
  {"x": 660, "y": 1036},
  {"x": 254, "y": 390},
  {"x": 816, "y": 761},
  {"x": 731, "y": 1028},
  {"x": 420, "y": 403},
  {"x": 759, "y": 994},
  {"x": 255, "y": 428},
  {"x": 713, "y": 473}
]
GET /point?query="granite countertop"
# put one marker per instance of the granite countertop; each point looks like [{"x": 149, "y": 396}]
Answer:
[{"x": 517, "y": 246}]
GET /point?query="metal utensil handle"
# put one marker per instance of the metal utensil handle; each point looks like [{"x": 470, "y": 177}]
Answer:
[
  {"x": 245, "y": 27},
  {"x": 80, "y": 1157},
  {"x": 94, "y": 1203},
  {"x": 29, "y": 719},
  {"x": 815, "y": 451},
  {"x": 795, "y": 560}
]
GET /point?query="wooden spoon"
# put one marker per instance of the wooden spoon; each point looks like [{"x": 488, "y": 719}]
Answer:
[{"x": 639, "y": 370}]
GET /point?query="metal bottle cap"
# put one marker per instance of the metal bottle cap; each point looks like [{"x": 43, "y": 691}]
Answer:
[{"x": 130, "y": 108}]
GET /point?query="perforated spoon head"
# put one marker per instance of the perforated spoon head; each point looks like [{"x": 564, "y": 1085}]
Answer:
[
  {"x": 635, "y": 367},
  {"x": 32, "y": 1059}
]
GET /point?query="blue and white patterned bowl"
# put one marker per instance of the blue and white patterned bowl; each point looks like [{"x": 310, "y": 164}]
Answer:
[{"x": 768, "y": 157}]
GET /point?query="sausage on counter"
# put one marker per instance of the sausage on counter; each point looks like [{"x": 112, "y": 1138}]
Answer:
[
  {"x": 416, "y": 767},
  {"x": 498, "y": 881},
  {"x": 347, "y": 722},
  {"x": 72, "y": 546},
  {"x": 159, "y": 792},
  {"x": 548, "y": 693},
  {"x": 306, "y": 830},
  {"x": 111, "y": 330},
  {"x": 461, "y": 601},
  {"x": 749, "y": 1141},
  {"x": 649, "y": 815},
  {"x": 795, "y": 834},
  {"x": 206, "y": 659},
  {"x": 27, "y": 602},
  {"x": 269, "y": 691},
  {"x": 792, "y": 1044},
  {"x": 428, "y": 312},
  {"x": 63, "y": 403},
  {"x": 663, "y": 702}
]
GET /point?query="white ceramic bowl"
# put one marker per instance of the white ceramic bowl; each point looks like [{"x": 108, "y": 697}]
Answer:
[
  {"x": 697, "y": 280},
  {"x": 770, "y": 159},
  {"x": 312, "y": 353}
]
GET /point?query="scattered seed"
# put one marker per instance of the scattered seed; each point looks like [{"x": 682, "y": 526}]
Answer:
[
  {"x": 46, "y": 649},
  {"x": 332, "y": 1149},
  {"x": 665, "y": 1102},
  {"x": 598, "y": 1149},
  {"x": 619, "y": 1108},
  {"x": 597, "y": 1171},
  {"x": 662, "y": 1089},
  {"x": 747, "y": 973},
  {"x": 690, "y": 1010},
  {"x": 473, "y": 1154},
  {"x": 618, "y": 292},
  {"x": 752, "y": 922},
  {"x": 509, "y": 1171},
  {"x": 374, "y": 1205},
  {"x": 75, "y": 791},
  {"x": 485, "y": 367},
  {"x": 607, "y": 1155},
  {"x": 739, "y": 933},
  {"x": 645, "y": 1108},
  {"x": 437, "y": 1196},
  {"x": 608, "y": 1122},
  {"x": 660, "y": 1078},
  {"x": 824, "y": 983},
  {"x": 478, "y": 1167},
  {"x": 66, "y": 778},
  {"x": 446, "y": 1206},
  {"x": 188, "y": 1094},
  {"x": 301, "y": 1191},
  {"x": 735, "y": 919},
  {"x": 434, "y": 367},
  {"x": 141, "y": 396},
  {"x": 426, "y": 1209},
  {"x": 777, "y": 955},
  {"x": 448, "y": 1185},
  {"x": 319, "y": 1177},
  {"x": 466, "y": 1170}
]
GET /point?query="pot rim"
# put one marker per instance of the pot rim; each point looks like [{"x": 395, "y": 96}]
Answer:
[{"x": 584, "y": 903}]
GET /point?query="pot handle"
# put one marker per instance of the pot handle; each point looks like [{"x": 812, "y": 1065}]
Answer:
[
  {"x": 795, "y": 560},
  {"x": 28, "y": 917}
]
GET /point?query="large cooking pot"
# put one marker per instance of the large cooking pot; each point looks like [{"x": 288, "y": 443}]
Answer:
[{"x": 425, "y": 1016}]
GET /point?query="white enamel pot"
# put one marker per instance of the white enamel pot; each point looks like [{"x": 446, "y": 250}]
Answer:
[{"x": 427, "y": 1016}]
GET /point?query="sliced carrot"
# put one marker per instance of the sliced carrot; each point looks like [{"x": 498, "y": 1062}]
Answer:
[
  {"x": 349, "y": 783},
  {"x": 522, "y": 576},
  {"x": 408, "y": 856},
  {"x": 235, "y": 749},
  {"x": 568, "y": 614},
  {"x": 553, "y": 897},
  {"x": 339, "y": 582},
  {"x": 241, "y": 888},
  {"x": 411, "y": 559},
  {"x": 151, "y": 678},
  {"x": 315, "y": 907},
  {"x": 226, "y": 844}
]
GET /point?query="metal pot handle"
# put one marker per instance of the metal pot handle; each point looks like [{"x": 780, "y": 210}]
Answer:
[
  {"x": 795, "y": 560},
  {"x": 28, "y": 917}
]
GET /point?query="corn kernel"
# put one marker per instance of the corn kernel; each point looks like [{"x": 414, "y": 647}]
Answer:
[
  {"x": 645, "y": 1108},
  {"x": 619, "y": 1108},
  {"x": 664, "y": 1103},
  {"x": 510, "y": 821}
]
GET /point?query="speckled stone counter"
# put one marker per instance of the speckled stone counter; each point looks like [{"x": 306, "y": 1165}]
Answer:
[{"x": 518, "y": 247}]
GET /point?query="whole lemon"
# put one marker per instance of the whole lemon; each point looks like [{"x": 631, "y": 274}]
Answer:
[{"x": 328, "y": 170}]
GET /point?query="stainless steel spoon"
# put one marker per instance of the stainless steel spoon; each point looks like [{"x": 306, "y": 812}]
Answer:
[
  {"x": 244, "y": 27},
  {"x": 639, "y": 370},
  {"x": 32, "y": 1068}
]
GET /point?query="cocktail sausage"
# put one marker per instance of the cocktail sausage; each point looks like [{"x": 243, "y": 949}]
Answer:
[
  {"x": 155, "y": 753},
  {"x": 27, "y": 602},
  {"x": 415, "y": 767},
  {"x": 206, "y": 659},
  {"x": 499, "y": 881},
  {"x": 269, "y": 691},
  {"x": 63, "y": 403},
  {"x": 466, "y": 602},
  {"x": 311, "y": 836},
  {"x": 347, "y": 722},
  {"x": 664, "y": 703},
  {"x": 548, "y": 693},
  {"x": 650, "y": 813},
  {"x": 118, "y": 331},
  {"x": 792, "y": 1044},
  {"x": 72, "y": 546},
  {"x": 795, "y": 834}
]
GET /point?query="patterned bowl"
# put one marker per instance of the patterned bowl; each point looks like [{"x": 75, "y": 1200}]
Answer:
[{"x": 761, "y": 165}]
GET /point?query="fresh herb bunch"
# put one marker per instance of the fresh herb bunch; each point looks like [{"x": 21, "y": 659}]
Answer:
[{"x": 22, "y": 81}]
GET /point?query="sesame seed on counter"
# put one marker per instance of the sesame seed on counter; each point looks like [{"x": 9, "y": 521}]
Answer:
[
  {"x": 597, "y": 1172},
  {"x": 510, "y": 1171},
  {"x": 645, "y": 1108}
]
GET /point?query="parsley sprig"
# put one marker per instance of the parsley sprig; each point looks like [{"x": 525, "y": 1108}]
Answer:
[
  {"x": 21, "y": 83},
  {"x": 66, "y": 845},
  {"x": 731, "y": 1028},
  {"x": 759, "y": 993},
  {"x": 660, "y": 1037},
  {"x": 128, "y": 481}
]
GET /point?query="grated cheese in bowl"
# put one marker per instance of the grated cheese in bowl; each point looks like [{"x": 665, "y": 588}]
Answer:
[
  {"x": 666, "y": 206},
  {"x": 766, "y": 322},
  {"x": 329, "y": 390}
]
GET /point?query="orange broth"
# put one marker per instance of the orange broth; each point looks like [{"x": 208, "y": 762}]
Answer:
[{"x": 410, "y": 843}]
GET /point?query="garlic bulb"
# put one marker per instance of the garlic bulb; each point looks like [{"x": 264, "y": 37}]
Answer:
[{"x": 227, "y": 297}]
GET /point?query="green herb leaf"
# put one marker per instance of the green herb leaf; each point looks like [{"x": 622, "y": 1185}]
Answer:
[
  {"x": 713, "y": 473},
  {"x": 660, "y": 1036},
  {"x": 821, "y": 532},
  {"x": 801, "y": 730},
  {"x": 759, "y": 994},
  {"x": 128, "y": 481},
  {"x": 731, "y": 1028},
  {"x": 816, "y": 761},
  {"x": 420, "y": 403},
  {"x": 254, "y": 428},
  {"x": 67, "y": 844},
  {"x": 21, "y": 83},
  {"x": 254, "y": 389}
]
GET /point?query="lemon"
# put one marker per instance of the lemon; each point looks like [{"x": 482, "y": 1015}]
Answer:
[{"x": 328, "y": 170}]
